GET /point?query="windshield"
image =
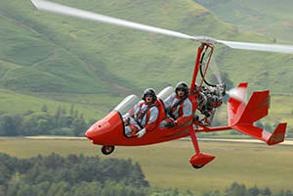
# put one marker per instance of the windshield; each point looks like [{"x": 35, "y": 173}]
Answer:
[
  {"x": 165, "y": 93},
  {"x": 127, "y": 103}
]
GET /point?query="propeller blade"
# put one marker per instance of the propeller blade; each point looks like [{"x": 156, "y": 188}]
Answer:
[
  {"x": 237, "y": 93},
  {"x": 74, "y": 12}
]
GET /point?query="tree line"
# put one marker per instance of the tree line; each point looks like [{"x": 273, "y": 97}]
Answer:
[
  {"x": 237, "y": 189},
  {"x": 79, "y": 175},
  {"x": 60, "y": 122},
  {"x": 74, "y": 175},
  {"x": 67, "y": 122}
]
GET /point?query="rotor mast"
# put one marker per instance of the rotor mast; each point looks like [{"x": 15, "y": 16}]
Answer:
[
  {"x": 197, "y": 63},
  {"x": 196, "y": 67}
]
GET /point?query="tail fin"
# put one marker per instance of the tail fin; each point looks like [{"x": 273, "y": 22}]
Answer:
[{"x": 241, "y": 116}]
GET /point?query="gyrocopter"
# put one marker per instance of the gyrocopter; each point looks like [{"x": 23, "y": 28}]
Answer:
[{"x": 205, "y": 97}]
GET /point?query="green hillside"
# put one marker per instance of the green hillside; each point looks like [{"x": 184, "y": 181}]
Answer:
[
  {"x": 270, "y": 17},
  {"x": 63, "y": 54},
  {"x": 60, "y": 59},
  {"x": 90, "y": 106}
]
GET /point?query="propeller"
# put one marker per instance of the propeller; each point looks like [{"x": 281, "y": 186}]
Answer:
[
  {"x": 74, "y": 12},
  {"x": 238, "y": 93}
]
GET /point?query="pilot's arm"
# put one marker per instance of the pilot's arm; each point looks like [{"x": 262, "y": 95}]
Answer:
[
  {"x": 169, "y": 100},
  {"x": 152, "y": 122},
  {"x": 187, "y": 114},
  {"x": 135, "y": 110}
]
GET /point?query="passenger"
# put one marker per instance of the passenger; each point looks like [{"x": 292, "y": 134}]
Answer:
[
  {"x": 178, "y": 107},
  {"x": 143, "y": 117}
]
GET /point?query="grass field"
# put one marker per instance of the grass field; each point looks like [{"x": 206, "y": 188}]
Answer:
[{"x": 166, "y": 165}]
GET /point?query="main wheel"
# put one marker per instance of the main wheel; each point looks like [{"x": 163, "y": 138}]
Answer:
[
  {"x": 197, "y": 166},
  {"x": 106, "y": 150}
]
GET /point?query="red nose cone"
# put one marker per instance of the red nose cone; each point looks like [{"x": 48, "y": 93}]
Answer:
[
  {"x": 98, "y": 130},
  {"x": 95, "y": 130},
  {"x": 106, "y": 130},
  {"x": 89, "y": 134}
]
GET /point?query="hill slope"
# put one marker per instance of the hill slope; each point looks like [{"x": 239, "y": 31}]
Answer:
[
  {"x": 69, "y": 60},
  {"x": 270, "y": 17},
  {"x": 54, "y": 54}
]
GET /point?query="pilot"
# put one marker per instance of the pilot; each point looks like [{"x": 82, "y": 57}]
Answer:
[
  {"x": 143, "y": 117},
  {"x": 178, "y": 107}
]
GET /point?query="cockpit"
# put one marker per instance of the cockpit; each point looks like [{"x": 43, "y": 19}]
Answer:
[{"x": 130, "y": 101}]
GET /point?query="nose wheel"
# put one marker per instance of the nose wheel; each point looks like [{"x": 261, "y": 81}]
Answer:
[{"x": 106, "y": 150}]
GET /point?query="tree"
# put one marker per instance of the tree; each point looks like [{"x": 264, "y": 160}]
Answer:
[
  {"x": 254, "y": 191},
  {"x": 268, "y": 126},
  {"x": 2, "y": 190},
  {"x": 259, "y": 124},
  {"x": 266, "y": 192},
  {"x": 79, "y": 125},
  {"x": 57, "y": 116},
  {"x": 71, "y": 110},
  {"x": 236, "y": 190},
  {"x": 44, "y": 108},
  {"x": 10, "y": 125}
]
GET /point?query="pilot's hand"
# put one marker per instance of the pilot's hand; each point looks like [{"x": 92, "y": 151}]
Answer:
[
  {"x": 170, "y": 124},
  {"x": 126, "y": 121},
  {"x": 141, "y": 133},
  {"x": 168, "y": 110}
]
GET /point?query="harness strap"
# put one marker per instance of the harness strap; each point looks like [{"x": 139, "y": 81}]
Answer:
[
  {"x": 173, "y": 108},
  {"x": 142, "y": 114}
]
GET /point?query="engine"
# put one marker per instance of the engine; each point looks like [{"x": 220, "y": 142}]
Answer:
[{"x": 210, "y": 98}]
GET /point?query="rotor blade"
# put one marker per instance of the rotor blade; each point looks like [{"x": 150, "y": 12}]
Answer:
[
  {"x": 65, "y": 10},
  {"x": 69, "y": 11},
  {"x": 258, "y": 46}
]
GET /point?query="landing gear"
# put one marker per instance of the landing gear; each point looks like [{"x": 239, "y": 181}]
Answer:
[
  {"x": 197, "y": 166},
  {"x": 106, "y": 150},
  {"x": 199, "y": 159}
]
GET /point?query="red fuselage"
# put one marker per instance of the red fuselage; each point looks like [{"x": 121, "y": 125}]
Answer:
[{"x": 110, "y": 131}]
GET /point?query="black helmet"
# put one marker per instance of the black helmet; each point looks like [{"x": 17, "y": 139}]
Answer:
[
  {"x": 151, "y": 92},
  {"x": 182, "y": 86}
]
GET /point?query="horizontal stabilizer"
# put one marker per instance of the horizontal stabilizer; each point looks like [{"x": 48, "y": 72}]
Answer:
[{"x": 258, "y": 133}]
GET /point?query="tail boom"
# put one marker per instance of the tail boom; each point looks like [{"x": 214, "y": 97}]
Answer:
[{"x": 276, "y": 137}]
